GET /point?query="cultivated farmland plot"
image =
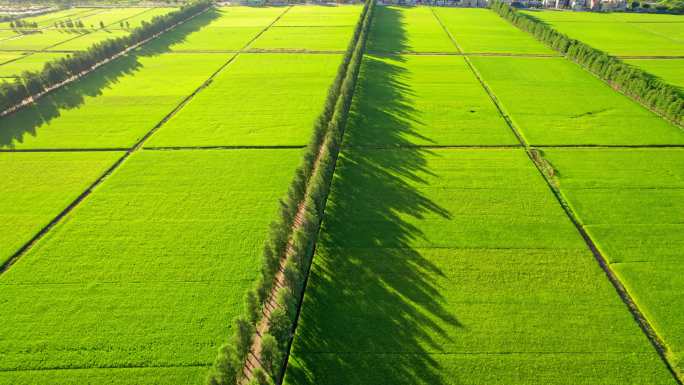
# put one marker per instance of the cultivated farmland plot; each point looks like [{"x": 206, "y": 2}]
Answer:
[
  {"x": 477, "y": 170},
  {"x": 175, "y": 230},
  {"x": 49, "y": 37},
  {"x": 632, "y": 205},
  {"x": 657, "y": 38},
  {"x": 472, "y": 279},
  {"x": 165, "y": 243}
]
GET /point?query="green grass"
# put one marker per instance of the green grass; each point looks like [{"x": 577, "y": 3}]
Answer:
[
  {"x": 112, "y": 107},
  {"x": 247, "y": 16},
  {"x": 147, "y": 376},
  {"x": 259, "y": 99},
  {"x": 400, "y": 29},
  {"x": 321, "y": 16},
  {"x": 305, "y": 38},
  {"x": 38, "y": 187},
  {"x": 7, "y": 56},
  {"x": 425, "y": 100},
  {"x": 668, "y": 70},
  {"x": 554, "y": 101},
  {"x": 112, "y": 16},
  {"x": 458, "y": 267},
  {"x": 481, "y": 30},
  {"x": 32, "y": 62},
  {"x": 48, "y": 37},
  {"x": 84, "y": 41},
  {"x": 49, "y": 18},
  {"x": 631, "y": 202},
  {"x": 222, "y": 29},
  {"x": 136, "y": 21},
  {"x": 39, "y": 40},
  {"x": 642, "y": 35},
  {"x": 6, "y": 33},
  {"x": 149, "y": 270}
]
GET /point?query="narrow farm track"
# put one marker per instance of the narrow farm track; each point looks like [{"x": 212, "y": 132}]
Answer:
[
  {"x": 460, "y": 53},
  {"x": 638, "y": 315},
  {"x": 650, "y": 57},
  {"x": 70, "y": 80},
  {"x": 136, "y": 147}
]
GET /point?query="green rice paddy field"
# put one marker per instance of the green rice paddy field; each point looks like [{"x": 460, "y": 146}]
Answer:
[
  {"x": 656, "y": 40},
  {"x": 32, "y": 50},
  {"x": 430, "y": 270},
  {"x": 445, "y": 256},
  {"x": 185, "y": 225}
]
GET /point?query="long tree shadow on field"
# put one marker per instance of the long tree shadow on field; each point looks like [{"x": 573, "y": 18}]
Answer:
[
  {"x": 372, "y": 310},
  {"x": 14, "y": 127}
]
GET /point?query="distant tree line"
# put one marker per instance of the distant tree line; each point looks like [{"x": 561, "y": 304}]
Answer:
[
  {"x": 661, "y": 97},
  {"x": 22, "y": 24},
  {"x": 295, "y": 236},
  {"x": 54, "y": 72}
]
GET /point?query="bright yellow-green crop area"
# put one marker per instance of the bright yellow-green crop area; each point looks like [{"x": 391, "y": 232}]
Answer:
[
  {"x": 37, "y": 187},
  {"x": 497, "y": 214},
  {"x": 259, "y": 100},
  {"x": 149, "y": 270}
]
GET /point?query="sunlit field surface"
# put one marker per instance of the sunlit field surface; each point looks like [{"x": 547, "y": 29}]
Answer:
[
  {"x": 260, "y": 99},
  {"x": 149, "y": 271},
  {"x": 40, "y": 186},
  {"x": 631, "y": 202}
]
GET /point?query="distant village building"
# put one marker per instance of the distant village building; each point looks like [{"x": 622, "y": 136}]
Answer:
[{"x": 595, "y": 5}]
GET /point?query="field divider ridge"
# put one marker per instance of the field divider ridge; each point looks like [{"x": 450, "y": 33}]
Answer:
[
  {"x": 93, "y": 31},
  {"x": 536, "y": 157},
  {"x": 48, "y": 48},
  {"x": 238, "y": 147},
  {"x": 461, "y": 53},
  {"x": 103, "y": 149},
  {"x": 659, "y": 97},
  {"x": 128, "y": 152},
  {"x": 33, "y": 98}
]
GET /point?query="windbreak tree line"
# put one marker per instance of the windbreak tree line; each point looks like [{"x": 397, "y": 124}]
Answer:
[
  {"x": 19, "y": 24},
  {"x": 294, "y": 235},
  {"x": 57, "y": 71},
  {"x": 659, "y": 96}
]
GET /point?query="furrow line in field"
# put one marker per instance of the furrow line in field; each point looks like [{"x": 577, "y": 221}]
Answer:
[
  {"x": 34, "y": 51},
  {"x": 283, "y": 147},
  {"x": 93, "y": 31},
  {"x": 651, "y": 57},
  {"x": 137, "y": 146},
  {"x": 461, "y": 53},
  {"x": 48, "y": 26},
  {"x": 570, "y": 146},
  {"x": 73, "y": 78},
  {"x": 47, "y": 49},
  {"x": 535, "y": 157},
  {"x": 615, "y": 88},
  {"x": 429, "y": 146},
  {"x": 114, "y": 149},
  {"x": 253, "y": 360},
  {"x": 566, "y": 146},
  {"x": 64, "y": 149},
  {"x": 104, "y": 367}
]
